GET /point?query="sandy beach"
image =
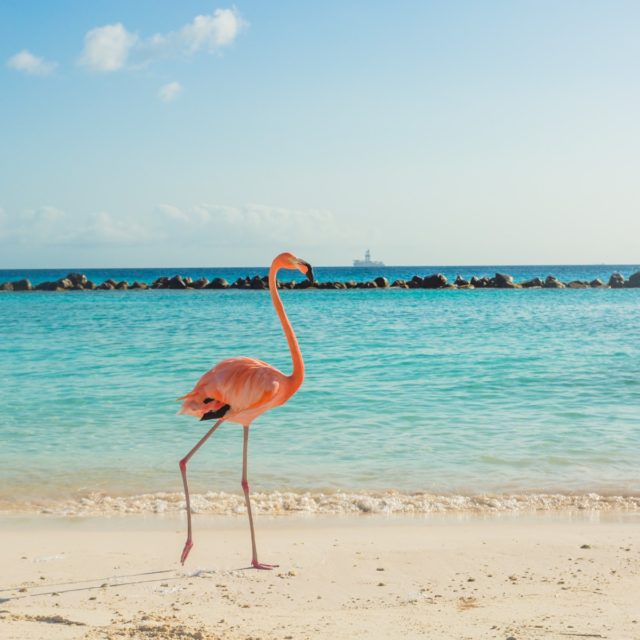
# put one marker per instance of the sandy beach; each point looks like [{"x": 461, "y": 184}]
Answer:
[{"x": 449, "y": 576}]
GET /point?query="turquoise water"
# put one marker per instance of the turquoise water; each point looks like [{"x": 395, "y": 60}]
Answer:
[{"x": 415, "y": 390}]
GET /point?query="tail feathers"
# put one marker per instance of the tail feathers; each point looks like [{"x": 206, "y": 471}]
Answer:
[{"x": 197, "y": 404}]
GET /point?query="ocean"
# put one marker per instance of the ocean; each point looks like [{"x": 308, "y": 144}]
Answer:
[{"x": 413, "y": 399}]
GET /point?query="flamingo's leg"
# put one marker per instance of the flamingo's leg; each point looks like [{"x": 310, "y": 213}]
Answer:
[
  {"x": 245, "y": 487},
  {"x": 183, "y": 470}
]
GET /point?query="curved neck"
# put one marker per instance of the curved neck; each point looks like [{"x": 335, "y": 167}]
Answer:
[{"x": 297, "y": 376}]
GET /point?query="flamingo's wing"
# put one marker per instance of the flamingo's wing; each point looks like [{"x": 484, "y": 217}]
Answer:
[{"x": 236, "y": 385}]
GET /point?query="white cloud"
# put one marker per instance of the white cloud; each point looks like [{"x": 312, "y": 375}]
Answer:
[
  {"x": 212, "y": 31},
  {"x": 26, "y": 62},
  {"x": 170, "y": 91},
  {"x": 112, "y": 47},
  {"x": 107, "y": 48}
]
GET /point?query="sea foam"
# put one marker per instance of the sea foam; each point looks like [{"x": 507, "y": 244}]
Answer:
[{"x": 338, "y": 503}]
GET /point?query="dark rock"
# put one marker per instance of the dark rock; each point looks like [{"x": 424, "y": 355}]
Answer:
[
  {"x": 479, "y": 283},
  {"x": 6, "y": 286},
  {"x": 77, "y": 279},
  {"x": 258, "y": 283},
  {"x": 367, "y": 285},
  {"x": 597, "y": 283},
  {"x": 218, "y": 283},
  {"x": 106, "y": 286},
  {"x": 47, "y": 286},
  {"x": 176, "y": 283},
  {"x": 634, "y": 281},
  {"x": 616, "y": 281},
  {"x": 64, "y": 283},
  {"x": 305, "y": 284},
  {"x": 381, "y": 282},
  {"x": 460, "y": 281},
  {"x": 22, "y": 285},
  {"x": 401, "y": 284},
  {"x": 534, "y": 282},
  {"x": 123, "y": 284},
  {"x": 502, "y": 281},
  {"x": 187, "y": 280},
  {"x": 160, "y": 283},
  {"x": 138, "y": 285},
  {"x": 578, "y": 284},
  {"x": 415, "y": 283},
  {"x": 200, "y": 283},
  {"x": 90, "y": 286},
  {"x": 112, "y": 282},
  {"x": 435, "y": 281},
  {"x": 286, "y": 285},
  {"x": 465, "y": 286},
  {"x": 351, "y": 284},
  {"x": 551, "y": 282},
  {"x": 240, "y": 283}
]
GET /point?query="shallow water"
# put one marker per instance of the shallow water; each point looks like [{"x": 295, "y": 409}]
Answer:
[{"x": 456, "y": 392}]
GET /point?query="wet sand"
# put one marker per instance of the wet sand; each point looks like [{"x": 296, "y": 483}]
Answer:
[{"x": 448, "y": 576}]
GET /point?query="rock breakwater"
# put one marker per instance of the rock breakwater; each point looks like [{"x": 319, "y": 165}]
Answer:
[{"x": 75, "y": 281}]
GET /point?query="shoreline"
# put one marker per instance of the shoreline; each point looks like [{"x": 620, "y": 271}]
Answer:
[{"x": 312, "y": 503}]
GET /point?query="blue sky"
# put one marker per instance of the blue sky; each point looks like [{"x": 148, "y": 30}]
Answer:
[{"x": 157, "y": 133}]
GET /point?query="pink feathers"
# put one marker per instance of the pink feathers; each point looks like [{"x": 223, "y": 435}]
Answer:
[{"x": 250, "y": 387}]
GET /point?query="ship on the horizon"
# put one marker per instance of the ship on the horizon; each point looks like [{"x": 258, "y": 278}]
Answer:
[{"x": 368, "y": 262}]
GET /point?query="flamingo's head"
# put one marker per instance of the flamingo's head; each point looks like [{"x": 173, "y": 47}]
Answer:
[{"x": 289, "y": 261}]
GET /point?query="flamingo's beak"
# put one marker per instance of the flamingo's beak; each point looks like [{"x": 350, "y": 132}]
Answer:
[{"x": 309, "y": 273}]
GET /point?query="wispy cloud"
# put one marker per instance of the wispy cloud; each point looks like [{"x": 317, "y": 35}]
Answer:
[
  {"x": 170, "y": 91},
  {"x": 107, "y": 48},
  {"x": 202, "y": 225},
  {"x": 167, "y": 234},
  {"x": 249, "y": 225},
  {"x": 112, "y": 47},
  {"x": 50, "y": 226},
  {"x": 27, "y": 62},
  {"x": 103, "y": 228}
]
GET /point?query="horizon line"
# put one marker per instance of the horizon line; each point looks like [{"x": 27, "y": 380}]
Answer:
[{"x": 342, "y": 266}]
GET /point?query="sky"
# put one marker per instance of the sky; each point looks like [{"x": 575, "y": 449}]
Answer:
[{"x": 198, "y": 133}]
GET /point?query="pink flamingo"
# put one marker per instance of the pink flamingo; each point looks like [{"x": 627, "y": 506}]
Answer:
[{"x": 241, "y": 389}]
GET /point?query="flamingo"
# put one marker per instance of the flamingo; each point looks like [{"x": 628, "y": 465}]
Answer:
[{"x": 241, "y": 389}]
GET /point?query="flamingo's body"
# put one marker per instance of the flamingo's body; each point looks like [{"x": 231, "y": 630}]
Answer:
[
  {"x": 241, "y": 389},
  {"x": 249, "y": 387}
]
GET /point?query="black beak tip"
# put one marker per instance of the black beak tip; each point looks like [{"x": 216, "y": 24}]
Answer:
[{"x": 309, "y": 272}]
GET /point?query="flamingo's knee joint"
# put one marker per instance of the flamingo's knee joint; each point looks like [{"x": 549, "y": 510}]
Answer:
[
  {"x": 183, "y": 465},
  {"x": 245, "y": 486}
]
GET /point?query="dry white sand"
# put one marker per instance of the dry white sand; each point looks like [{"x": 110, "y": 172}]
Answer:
[{"x": 537, "y": 576}]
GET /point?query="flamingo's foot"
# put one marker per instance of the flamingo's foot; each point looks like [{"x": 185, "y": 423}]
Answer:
[
  {"x": 261, "y": 565},
  {"x": 185, "y": 552}
]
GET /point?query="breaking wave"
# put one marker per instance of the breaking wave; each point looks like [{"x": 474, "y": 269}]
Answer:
[{"x": 337, "y": 503}]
